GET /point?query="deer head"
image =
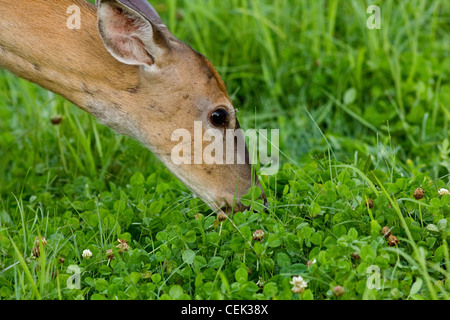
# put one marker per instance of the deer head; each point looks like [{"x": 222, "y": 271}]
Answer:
[{"x": 178, "y": 88}]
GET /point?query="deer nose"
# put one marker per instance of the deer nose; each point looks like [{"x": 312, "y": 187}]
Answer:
[{"x": 238, "y": 206}]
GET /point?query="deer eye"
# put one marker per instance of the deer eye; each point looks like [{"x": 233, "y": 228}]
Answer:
[{"x": 220, "y": 117}]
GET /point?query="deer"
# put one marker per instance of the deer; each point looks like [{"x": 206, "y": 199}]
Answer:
[{"x": 126, "y": 69}]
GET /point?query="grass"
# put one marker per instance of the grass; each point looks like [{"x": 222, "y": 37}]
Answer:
[{"x": 363, "y": 114}]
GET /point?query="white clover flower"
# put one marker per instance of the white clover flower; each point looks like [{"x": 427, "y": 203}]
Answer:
[
  {"x": 86, "y": 254},
  {"x": 443, "y": 191},
  {"x": 299, "y": 285}
]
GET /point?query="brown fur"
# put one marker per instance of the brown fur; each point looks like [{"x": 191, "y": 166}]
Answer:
[{"x": 35, "y": 34}]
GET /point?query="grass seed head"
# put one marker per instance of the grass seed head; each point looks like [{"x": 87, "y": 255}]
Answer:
[
  {"x": 392, "y": 241},
  {"x": 338, "y": 291},
  {"x": 56, "y": 120},
  {"x": 355, "y": 255},
  {"x": 222, "y": 217},
  {"x": 386, "y": 231},
  {"x": 419, "y": 193},
  {"x": 43, "y": 240},
  {"x": 258, "y": 235},
  {"x": 123, "y": 245},
  {"x": 109, "y": 254},
  {"x": 36, "y": 252}
]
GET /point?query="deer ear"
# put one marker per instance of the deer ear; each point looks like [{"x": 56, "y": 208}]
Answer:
[{"x": 132, "y": 31}]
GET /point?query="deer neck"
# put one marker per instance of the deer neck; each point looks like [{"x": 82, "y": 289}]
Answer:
[{"x": 72, "y": 63}]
